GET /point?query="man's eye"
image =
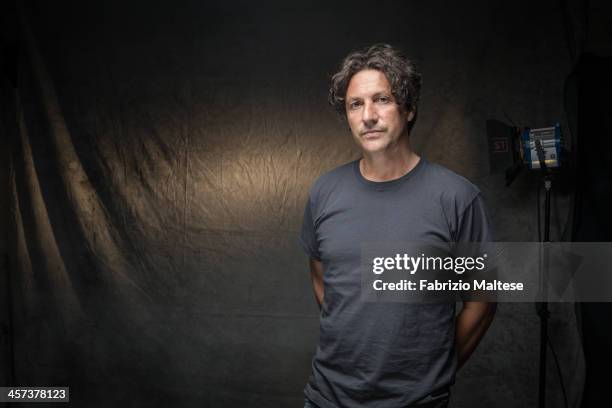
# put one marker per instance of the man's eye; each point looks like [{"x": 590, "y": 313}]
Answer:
[
  {"x": 354, "y": 105},
  {"x": 383, "y": 99}
]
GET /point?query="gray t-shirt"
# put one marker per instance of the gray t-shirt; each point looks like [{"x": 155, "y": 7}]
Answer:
[{"x": 383, "y": 354}]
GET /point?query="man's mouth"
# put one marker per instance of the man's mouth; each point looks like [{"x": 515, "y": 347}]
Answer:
[{"x": 372, "y": 133}]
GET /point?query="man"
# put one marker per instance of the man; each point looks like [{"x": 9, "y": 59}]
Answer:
[{"x": 385, "y": 354}]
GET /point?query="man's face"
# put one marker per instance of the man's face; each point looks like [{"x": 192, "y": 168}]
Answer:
[{"x": 376, "y": 120}]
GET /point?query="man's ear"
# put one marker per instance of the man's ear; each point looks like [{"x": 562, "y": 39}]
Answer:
[{"x": 410, "y": 115}]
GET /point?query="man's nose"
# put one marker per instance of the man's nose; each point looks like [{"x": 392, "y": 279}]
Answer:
[{"x": 370, "y": 116}]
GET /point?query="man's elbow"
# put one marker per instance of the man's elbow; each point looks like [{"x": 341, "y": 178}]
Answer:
[{"x": 486, "y": 310}]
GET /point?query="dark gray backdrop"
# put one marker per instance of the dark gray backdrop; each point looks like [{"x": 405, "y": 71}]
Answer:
[{"x": 159, "y": 166}]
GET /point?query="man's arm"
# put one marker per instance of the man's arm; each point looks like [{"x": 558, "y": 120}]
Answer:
[
  {"x": 472, "y": 323},
  {"x": 316, "y": 275}
]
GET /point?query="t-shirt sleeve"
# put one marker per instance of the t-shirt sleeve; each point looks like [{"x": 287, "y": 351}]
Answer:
[
  {"x": 473, "y": 224},
  {"x": 474, "y": 229},
  {"x": 308, "y": 235}
]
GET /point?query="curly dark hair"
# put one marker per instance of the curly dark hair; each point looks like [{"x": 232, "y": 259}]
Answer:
[{"x": 401, "y": 73}]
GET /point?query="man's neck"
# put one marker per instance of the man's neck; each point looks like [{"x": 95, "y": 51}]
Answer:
[{"x": 389, "y": 164}]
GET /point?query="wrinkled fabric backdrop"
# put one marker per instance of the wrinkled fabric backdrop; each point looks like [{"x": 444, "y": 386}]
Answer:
[{"x": 158, "y": 159}]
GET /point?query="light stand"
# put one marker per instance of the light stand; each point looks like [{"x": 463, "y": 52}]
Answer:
[
  {"x": 542, "y": 307},
  {"x": 534, "y": 149}
]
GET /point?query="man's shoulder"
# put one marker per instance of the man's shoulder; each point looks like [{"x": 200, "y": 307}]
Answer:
[{"x": 449, "y": 184}]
